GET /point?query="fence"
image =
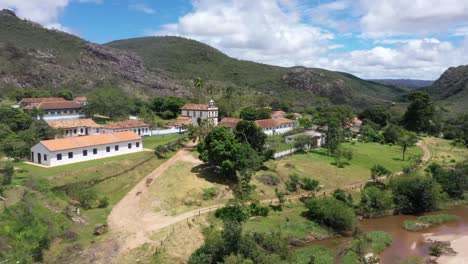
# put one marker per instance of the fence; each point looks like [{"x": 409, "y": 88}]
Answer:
[
  {"x": 283, "y": 153},
  {"x": 160, "y": 132}
]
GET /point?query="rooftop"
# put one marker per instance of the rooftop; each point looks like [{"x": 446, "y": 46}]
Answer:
[
  {"x": 50, "y": 105},
  {"x": 197, "y": 107},
  {"x": 273, "y": 122},
  {"x": 127, "y": 124},
  {"x": 181, "y": 120},
  {"x": 230, "y": 122},
  {"x": 42, "y": 100},
  {"x": 89, "y": 141},
  {"x": 73, "y": 123}
]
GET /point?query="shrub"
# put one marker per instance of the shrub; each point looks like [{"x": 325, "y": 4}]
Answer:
[
  {"x": 268, "y": 179},
  {"x": 374, "y": 201},
  {"x": 331, "y": 212},
  {"x": 310, "y": 184},
  {"x": 233, "y": 213},
  {"x": 209, "y": 193},
  {"x": 103, "y": 202},
  {"x": 427, "y": 221},
  {"x": 257, "y": 210},
  {"x": 343, "y": 196},
  {"x": 293, "y": 183}
]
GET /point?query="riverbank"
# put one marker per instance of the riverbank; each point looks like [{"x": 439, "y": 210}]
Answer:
[{"x": 458, "y": 242}]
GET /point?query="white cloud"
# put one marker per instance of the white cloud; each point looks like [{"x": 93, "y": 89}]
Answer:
[
  {"x": 268, "y": 31},
  {"x": 395, "y": 17},
  {"x": 418, "y": 58},
  {"x": 142, "y": 8},
  {"x": 460, "y": 31}
]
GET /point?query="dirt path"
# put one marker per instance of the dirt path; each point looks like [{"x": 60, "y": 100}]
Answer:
[{"x": 134, "y": 219}]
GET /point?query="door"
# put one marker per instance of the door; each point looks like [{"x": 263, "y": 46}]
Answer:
[
  {"x": 87, "y": 131},
  {"x": 39, "y": 158},
  {"x": 139, "y": 131}
]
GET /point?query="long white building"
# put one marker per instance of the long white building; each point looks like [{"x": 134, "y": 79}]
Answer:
[
  {"x": 63, "y": 151},
  {"x": 276, "y": 126}
]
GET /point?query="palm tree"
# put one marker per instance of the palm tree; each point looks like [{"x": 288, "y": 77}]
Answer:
[{"x": 199, "y": 84}]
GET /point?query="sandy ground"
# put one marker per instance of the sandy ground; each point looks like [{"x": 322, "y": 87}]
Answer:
[{"x": 459, "y": 243}]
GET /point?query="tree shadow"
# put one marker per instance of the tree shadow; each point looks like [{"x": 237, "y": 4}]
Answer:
[{"x": 211, "y": 174}]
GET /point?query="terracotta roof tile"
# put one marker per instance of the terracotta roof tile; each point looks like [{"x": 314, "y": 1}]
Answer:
[
  {"x": 278, "y": 113},
  {"x": 273, "y": 122},
  {"x": 81, "y": 99},
  {"x": 89, "y": 141},
  {"x": 73, "y": 123},
  {"x": 198, "y": 107},
  {"x": 127, "y": 124},
  {"x": 181, "y": 120},
  {"x": 230, "y": 122},
  {"x": 54, "y": 105}
]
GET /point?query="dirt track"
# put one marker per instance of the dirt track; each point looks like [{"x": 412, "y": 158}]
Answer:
[{"x": 133, "y": 219}]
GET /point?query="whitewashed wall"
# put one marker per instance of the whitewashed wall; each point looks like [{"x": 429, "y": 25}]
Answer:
[
  {"x": 78, "y": 153},
  {"x": 211, "y": 114},
  {"x": 141, "y": 131},
  {"x": 169, "y": 131}
]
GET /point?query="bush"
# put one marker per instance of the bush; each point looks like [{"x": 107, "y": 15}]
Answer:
[
  {"x": 293, "y": 183},
  {"x": 209, "y": 193},
  {"x": 240, "y": 213},
  {"x": 310, "y": 184},
  {"x": 7, "y": 172},
  {"x": 103, "y": 202},
  {"x": 427, "y": 221},
  {"x": 257, "y": 210},
  {"x": 331, "y": 212},
  {"x": 374, "y": 201},
  {"x": 268, "y": 179},
  {"x": 344, "y": 196}
]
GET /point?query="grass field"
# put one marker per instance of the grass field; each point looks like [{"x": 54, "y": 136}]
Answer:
[
  {"x": 180, "y": 188},
  {"x": 154, "y": 141},
  {"x": 442, "y": 152},
  {"x": 318, "y": 165}
]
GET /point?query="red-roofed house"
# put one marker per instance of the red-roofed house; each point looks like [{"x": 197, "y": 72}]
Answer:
[
  {"x": 81, "y": 100},
  {"x": 201, "y": 111},
  {"x": 229, "y": 122},
  {"x": 63, "y": 151},
  {"x": 137, "y": 126},
  {"x": 77, "y": 127},
  {"x": 276, "y": 126},
  {"x": 278, "y": 114},
  {"x": 56, "y": 110}
]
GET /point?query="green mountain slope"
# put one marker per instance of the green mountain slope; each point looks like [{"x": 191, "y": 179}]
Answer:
[
  {"x": 186, "y": 59},
  {"x": 451, "y": 89},
  {"x": 35, "y": 57}
]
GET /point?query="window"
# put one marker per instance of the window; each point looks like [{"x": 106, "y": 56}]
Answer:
[
  {"x": 59, "y": 156},
  {"x": 129, "y": 145},
  {"x": 74, "y": 130},
  {"x": 107, "y": 149},
  {"x": 85, "y": 152},
  {"x": 97, "y": 130},
  {"x": 81, "y": 131},
  {"x": 138, "y": 144},
  {"x": 116, "y": 147},
  {"x": 45, "y": 157},
  {"x": 70, "y": 155},
  {"x": 95, "y": 151}
]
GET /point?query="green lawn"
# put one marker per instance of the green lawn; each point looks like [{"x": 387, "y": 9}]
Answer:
[
  {"x": 154, "y": 141},
  {"x": 318, "y": 165},
  {"x": 442, "y": 152},
  {"x": 278, "y": 144}
]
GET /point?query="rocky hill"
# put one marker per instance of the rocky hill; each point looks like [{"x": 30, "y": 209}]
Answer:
[
  {"x": 451, "y": 88},
  {"x": 32, "y": 56}
]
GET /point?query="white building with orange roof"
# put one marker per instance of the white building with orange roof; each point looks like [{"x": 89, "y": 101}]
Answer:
[
  {"x": 229, "y": 122},
  {"x": 81, "y": 100},
  {"x": 198, "y": 112},
  {"x": 56, "y": 152},
  {"x": 276, "y": 126},
  {"x": 278, "y": 114},
  {"x": 77, "y": 127},
  {"x": 139, "y": 127}
]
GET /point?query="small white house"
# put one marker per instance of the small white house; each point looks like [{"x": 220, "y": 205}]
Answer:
[
  {"x": 75, "y": 128},
  {"x": 276, "y": 126},
  {"x": 63, "y": 151},
  {"x": 318, "y": 137},
  {"x": 137, "y": 126},
  {"x": 201, "y": 111}
]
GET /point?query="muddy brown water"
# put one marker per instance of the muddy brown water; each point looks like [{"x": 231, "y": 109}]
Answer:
[{"x": 405, "y": 243}]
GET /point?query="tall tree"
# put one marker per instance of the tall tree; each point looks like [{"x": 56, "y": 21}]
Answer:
[
  {"x": 110, "y": 102},
  {"x": 420, "y": 113},
  {"x": 408, "y": 139},
  {"x": 249, "y": 133},
  {"x": 199, "y": 84},
  {"x": 334, "y": 137},
  {"x": 377, "y": 114}
]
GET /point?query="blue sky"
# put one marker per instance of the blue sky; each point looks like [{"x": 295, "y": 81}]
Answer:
[{"x": 371, "y": 39}]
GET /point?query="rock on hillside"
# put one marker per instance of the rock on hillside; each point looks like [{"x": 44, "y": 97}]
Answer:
[{"x": 42, "y": 58}]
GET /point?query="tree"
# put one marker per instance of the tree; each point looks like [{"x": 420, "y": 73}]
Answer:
[
  {"x": 420, "y": 113},
  {"x": 414, "y": 194},
  {"x": 392, "y": 134},
  {"x": 374, "y": 201},
  {"x": 331, "y": 212},
  {"x": 110, "y": 102},
  {"x": 305, "y": 122},
  {"x": 454, "y": 181},
  {"x": 408, "y": 139},
  {"x": 64, "y": 93},
  {"x": 334, "y": 137},
  {"x": 378, "y": 114},
  {"x": 13, "y": 146},
  {"x": 8, "y": 171},
  {"x": 5, "y": 131},
  {"x": 249, "y": 133},
  {"x": 369, "y": 134},
  {"x": 303, "y": 142},
  {"x": 458, "y": 143},
  {"x": 248, "y": 113},
  {"x": 221, "y": 149},
  {"x": 16, "y": 119},
  {"x": 199, "y": 84},
  {"x": 378, "y": 171},
  {"x": 344, "y": 196},
  {"x": 148, "y": 116},
  {"x": 173, "y": 104}
]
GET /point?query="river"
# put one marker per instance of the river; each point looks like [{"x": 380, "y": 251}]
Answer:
[{"x": 406, "y": 244}]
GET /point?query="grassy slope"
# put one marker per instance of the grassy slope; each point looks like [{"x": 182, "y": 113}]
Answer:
[
  {"x": 443, "y": 153},
  {"x": 187, "y": 59},
  {"x": 152, "y": 142}
]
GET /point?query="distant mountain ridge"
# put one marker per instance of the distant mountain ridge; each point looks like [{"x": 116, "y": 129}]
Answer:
[
  {"x": 411, "y": 84},
  {"x": 35, "y": 57}
]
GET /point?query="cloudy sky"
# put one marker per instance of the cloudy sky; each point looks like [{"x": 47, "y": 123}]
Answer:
[{"x": 416, "y": 39}]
